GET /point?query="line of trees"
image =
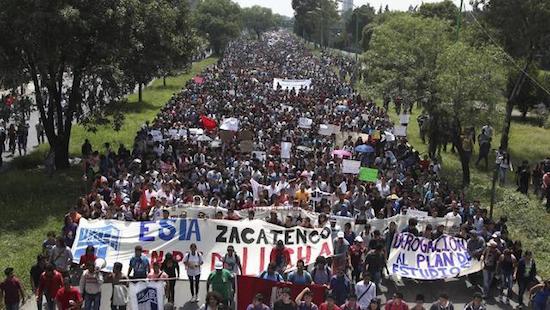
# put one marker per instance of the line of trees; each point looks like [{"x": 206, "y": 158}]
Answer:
[
  {"x": 463, "y": 68},
  {"x": 84, "y": 57}
]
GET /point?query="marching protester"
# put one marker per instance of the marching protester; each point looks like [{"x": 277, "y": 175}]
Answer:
[
  {"x": 240, "y": 146},
  {"x": 69, "y": 297},
  {"x": 51, "y": 281},
  {"x": 193, "y": 262},
  {"x": 119, "y": 284},
  {"x": 12, "y": 290},
  {"x": 171, "y": 267},
  {"x": 90, "y": 286}
]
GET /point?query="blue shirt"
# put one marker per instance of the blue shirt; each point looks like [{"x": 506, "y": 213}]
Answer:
[
  {"x": 140, "y": 265},
  {"x": 296, "y": 278},
  {"x": 340, "y": 287}
]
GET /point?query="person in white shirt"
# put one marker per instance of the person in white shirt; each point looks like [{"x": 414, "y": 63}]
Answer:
[
  {"x": 90, "y": 286},
  {"x": 454, "y": 215},
  {"x": 365, "y": 291},
  {"x": 193, "y": 261}
]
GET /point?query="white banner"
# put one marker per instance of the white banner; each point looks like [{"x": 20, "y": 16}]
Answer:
[
  {"x": 253, "y": 241},
  {"x": 290, "y": 84},
  {"x": 147, "y": 295},
  {"x": 417, "y": 213},
  {"x": 404, "y": 119},
  {"x": 400, "y": 131},
  {"x": 351, "y": 166},
  {"x": 328, "y": 129},
  {"x": 425, "y": 259},
  {"x": 285, "y": 150}
]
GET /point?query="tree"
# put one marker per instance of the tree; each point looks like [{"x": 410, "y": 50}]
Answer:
[
  {"x": 445, "y": 10},
  {"x": 258, "y": 19},
  {"x": 314, "y": 18},
  {"x": 219, "y": 21},
  {"x": 158, "y": 44},
  {"x": 522, "y": 29},
  {"x": 360, "y": 18},
  {"x": 402, "y": 55},
  {"x": 74, "y": 54},
  {"x": 468, "y": 84}
]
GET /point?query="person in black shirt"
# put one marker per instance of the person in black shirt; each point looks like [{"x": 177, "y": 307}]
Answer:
[
  {"x": 36, "y": 271},
  {"x": 411, "y": 229},
  {"x": 172, "y": 269},
  {"x": 284, "y": 303}
]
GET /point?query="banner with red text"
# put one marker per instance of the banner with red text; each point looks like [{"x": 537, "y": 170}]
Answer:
[
  {"x": 253, "y": 241},
  {"x": 248, "y": 287}
]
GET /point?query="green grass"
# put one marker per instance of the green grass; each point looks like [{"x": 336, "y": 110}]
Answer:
[
  {"x": 33, "y": 204},
  {"x": 528, "y": 220}
]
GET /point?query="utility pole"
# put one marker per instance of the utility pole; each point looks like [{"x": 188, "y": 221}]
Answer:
[{"x": 357, "y": 36}]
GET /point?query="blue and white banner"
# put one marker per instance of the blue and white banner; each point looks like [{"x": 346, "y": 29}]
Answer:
[
  {"x": 147, "y": 295},
  {"x": 425, "y": 259},
  {"x": 253, "y": 241}
]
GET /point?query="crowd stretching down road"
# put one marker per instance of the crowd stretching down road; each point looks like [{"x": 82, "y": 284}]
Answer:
[{"x": 235, "y": 146}]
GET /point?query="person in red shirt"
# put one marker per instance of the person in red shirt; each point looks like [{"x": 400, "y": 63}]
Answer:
[
  {"x": 396, "y": 303},
  {"x": 50, "y": 282},
  {"x": 12, "y": 290},
  {"x": 357, "y": 255},
  {"x": 329, "y": 304},
  {"x": 89, "y": 256},
  {"x": 68, "y": 297},
  {"x": 280, "y": 256}
]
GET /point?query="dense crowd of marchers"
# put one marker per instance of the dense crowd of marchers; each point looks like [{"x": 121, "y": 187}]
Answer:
[{"x": 183, "y": 159}]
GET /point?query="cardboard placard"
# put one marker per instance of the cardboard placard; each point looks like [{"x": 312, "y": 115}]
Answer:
[
  {"x": 226, "y": 136},
  {"x": 246, "y": 135},
  {"x": 285, "y": 150},
  {"x": 246, "y": 146},
  {"x": 351, "y": 166},
  {"x": 368, "y": 174},
  {"x": 304, "y": 122}
]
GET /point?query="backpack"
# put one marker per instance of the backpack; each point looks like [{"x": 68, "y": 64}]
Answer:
[{"x": 327, "y": 270}]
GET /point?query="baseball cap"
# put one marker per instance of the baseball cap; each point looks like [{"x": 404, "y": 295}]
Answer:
[
  {"x": 340, "y": 234},
  {"x": 218, "y": 265}
]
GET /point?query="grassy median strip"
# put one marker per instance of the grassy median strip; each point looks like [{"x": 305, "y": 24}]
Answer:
[{"x": 33, "y": 204}]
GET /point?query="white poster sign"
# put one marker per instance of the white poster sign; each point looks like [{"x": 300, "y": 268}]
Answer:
[
  {"x": 417, "y": 213},
  {"x": 147, "y": 295},
  {"x": 304, "y": 122},
  {"x": 230, "y": 124},
  {"x": 425, "y": 259},
  {"x": 351, "y": 166},
  {"x": 285, "y": 150},
  {"x": 290, "y": 84},
  {"x": 328, "y": 129},
  {"x": 253, "y": 241},
  {"x": 404, "y": 119}
]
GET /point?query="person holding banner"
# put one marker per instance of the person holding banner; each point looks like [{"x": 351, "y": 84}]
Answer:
[
  {"x": 171, "y": 267},
  {"x": 193, "y": 262},
  {"x": 300, "y": 275},
  {"x": 118, "y": 280},
  {"x": 139, "y": 264},
  {"x": 90, "y": 286}
]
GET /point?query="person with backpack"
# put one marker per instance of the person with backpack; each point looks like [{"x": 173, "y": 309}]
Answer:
[
  {"x": 193, "y": 261},
  {"x": 232, "y": 261},
  {"x": 321, "y": 273},
  {"x": 365, "y": 291}
]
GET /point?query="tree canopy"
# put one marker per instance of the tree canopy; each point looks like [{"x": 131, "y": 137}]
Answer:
[
  {"x": 219, "y": 21},
  {"x": 258, "y": 19}
]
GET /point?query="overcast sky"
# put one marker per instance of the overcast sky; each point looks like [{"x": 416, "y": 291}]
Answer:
[{"x": 284, "y": 7}]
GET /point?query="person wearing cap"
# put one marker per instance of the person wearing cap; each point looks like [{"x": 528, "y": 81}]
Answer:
[
  {"x": 12, "y": 290},
  {"x": 357, "y": 253},
  {"x": 341, "y": 246},
  {"x": 139, "y": 264},
  {"x": 284, "y": 302},
  {"x": 365, "y": 290},
  {"x": 476, "y": 303},
  {"x": 90, "y": 286},
  {"x": 490, "y": 261},
  {"x": 280, "y": 256},
  {"x": 221, "y": 281},
  {"x": 300, "y": 275},
  {"x": 396, "y": 303},
  {"x": 68, "y": 297},
  {"x": 443, "y": 303}
]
